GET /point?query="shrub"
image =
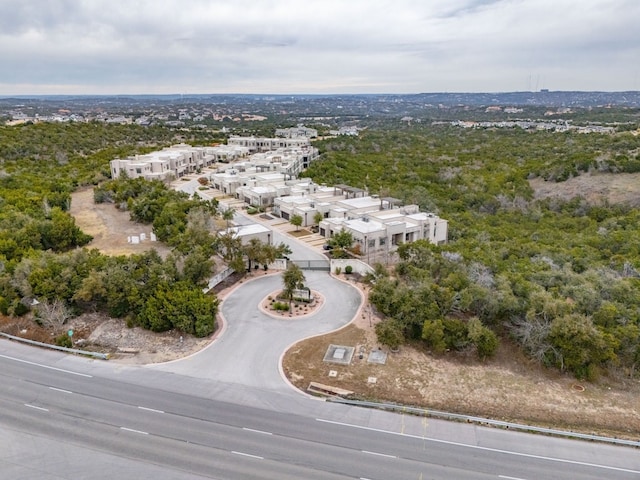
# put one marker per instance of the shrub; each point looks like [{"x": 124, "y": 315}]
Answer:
[
  {"x": 64, "y": 340},
  {"x": 348, "y": 269},
  {"x": 280, "y": 306},
  {"x": 389, "y": 333},
  {"x": 338, "y": 270}
]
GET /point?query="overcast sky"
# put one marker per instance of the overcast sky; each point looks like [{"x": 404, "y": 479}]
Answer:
[{"x": 317, "y": 46}]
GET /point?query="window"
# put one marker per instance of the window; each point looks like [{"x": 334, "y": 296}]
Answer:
[
  {"x": 383, "y": 241},
  {"x": 372, "y": 243}
]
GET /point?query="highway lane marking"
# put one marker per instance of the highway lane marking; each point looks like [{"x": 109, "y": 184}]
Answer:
[
  {"x": 134, "y": 431},
  {"x": 247, "y": 455},
  {"x": 257, "y": 431},
  {"x": 46, "y": 366},
  {"x": 379, "y": 454},
  {"x": 60, "y": 390},
  {"x": 486, "y": 449},
  {"x": 37, "y": 408},
  {"x": 510, "y": 478},
  {"x": 146, "y": 409}
]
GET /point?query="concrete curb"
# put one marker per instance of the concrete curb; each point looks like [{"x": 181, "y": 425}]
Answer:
[
  {"x": 485, "y": 421},
  {"x": 102, "y": 356}
]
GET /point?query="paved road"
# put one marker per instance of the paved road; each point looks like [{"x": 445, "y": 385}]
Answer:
[
  {"x": 226, "y": 413},
  {"x": 248, "y": 351},
  {"x": 60, "y": 416}
]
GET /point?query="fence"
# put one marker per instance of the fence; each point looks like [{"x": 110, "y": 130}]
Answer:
[
  {"x": 323, "y": 265},
  {"x": 485, "y": 421}
]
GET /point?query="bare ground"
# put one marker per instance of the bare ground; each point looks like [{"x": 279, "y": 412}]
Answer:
[
  {"x": 110, "y": 227},
  {"x": 508, "y": 387}
]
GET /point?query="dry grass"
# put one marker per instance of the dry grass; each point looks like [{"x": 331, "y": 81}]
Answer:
[
  {"x": 109, "y": 226},
  {"x": 509, "y": 387}
]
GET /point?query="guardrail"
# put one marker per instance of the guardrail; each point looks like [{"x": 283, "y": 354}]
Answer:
[
  {"x": 485, "y": 421},
  {"x": 102, "y": 356}
]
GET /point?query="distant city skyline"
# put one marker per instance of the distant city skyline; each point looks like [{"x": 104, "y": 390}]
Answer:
[{"x": 102, "y": 47}]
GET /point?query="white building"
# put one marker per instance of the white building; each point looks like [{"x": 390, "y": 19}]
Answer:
[
  {"x": 182, "y": 159},
  {"x": 297, "y": 132},
  {"x": 174, "y": 161},
  {"x": 375, "y": 223},
  {"x": 262, "y": 144}
]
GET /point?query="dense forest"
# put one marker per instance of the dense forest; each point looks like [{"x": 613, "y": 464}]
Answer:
[
  {"x": 560, "y": 278},
  {"x": 40, "y": 165}
]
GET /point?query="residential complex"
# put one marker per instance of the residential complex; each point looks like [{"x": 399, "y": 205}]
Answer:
[
  {"x": 179, "y": 160},
  {"x": 264, "y": 173}
]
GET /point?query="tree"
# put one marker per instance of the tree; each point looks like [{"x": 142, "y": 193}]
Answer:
[
  {"x": 197, "y": 266},
  {"x": 389, "y": 333},
  {"x": 485, "y": 341},
  {"x": 296, "y": 221},
  {"x": 257, "y": 251},
  {"x": 292, "y": 278},
  {"x": 318, "y": 217},
  {"x": 342, "y": 239},
  {"x": 231, "y": 249},
  {"x": 181, "y": 306},
  {"x": 53, "y": 314},
  {"x": 228, "y": 214},
  {"x": 579, "y": 346}
]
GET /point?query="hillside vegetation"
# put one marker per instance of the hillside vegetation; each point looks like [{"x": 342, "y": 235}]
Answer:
[{"x": 558, "y": 276}]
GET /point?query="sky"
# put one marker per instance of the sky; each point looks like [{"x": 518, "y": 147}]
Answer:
[{"x": 317, "y": 46}]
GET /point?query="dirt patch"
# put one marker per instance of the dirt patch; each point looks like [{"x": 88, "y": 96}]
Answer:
[
  {"x": 298, "y": 309},
  {"x": 98, "y": 333},
  {"x": 110, "y": 227},
  {"x": 509, "y": 387},
  {"x": 299, "y": 233},
  {"x": 593, "y": 187}
]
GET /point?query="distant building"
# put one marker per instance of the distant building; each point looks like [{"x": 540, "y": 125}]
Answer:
[
  {"x": 297, "y": 132},
  {"x": 262, "y": 144}
]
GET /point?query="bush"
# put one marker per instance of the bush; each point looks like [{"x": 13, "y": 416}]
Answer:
[
  {"x": 338, "y": 270},
  {"x": 389, "y": 333},
  {"x": 64, "y": 340},
  {"x": 280, "y": 306},
  {"x": 348, "y": 269}
]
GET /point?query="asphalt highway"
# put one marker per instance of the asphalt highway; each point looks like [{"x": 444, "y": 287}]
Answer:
[
  {"x": 84, "y": 413},
  {"x": 227, "y": 413}
]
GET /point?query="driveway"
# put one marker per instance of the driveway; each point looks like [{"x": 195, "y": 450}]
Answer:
[{"x": 249, "y": 349}]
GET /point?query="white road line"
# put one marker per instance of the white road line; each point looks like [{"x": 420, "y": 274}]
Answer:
[
  {"x": 146, "y": 409},
  {"x": 256, "y": 431},
  {"x": 379, "y": 454},
  {"x": 486, "y": 449},
  {"x": 37, "y": 408},
  {"x": 60, "y": 390},
  {"x": 247, "y": 455},
  {"x": 510, "y": 478},
  {"x": 46, "y": 366},
  {"x": 134, "y": 431}
]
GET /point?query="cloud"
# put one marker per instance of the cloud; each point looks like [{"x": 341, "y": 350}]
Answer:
[{"x": 316, "y": 46}]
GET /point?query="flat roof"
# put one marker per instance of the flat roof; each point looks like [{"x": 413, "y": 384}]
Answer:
[
  {"x": 251, "y": 229},
  {"x": 365, "y": 227},
  {"x": 361, "y": 202}
]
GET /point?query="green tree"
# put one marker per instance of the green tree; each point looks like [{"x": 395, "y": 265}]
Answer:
[
  {"x": 180, "y": 305},
  {"x": 484, "y": 339},
  {"x": 296, "y": 221},
  {"x": 342, "y": 239},
  {"x": 292, "y": 279},
  {"x": 579, "y": 346},
  {"x": 227, "y": 215},
  {"x": 390, "y": 333}
]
